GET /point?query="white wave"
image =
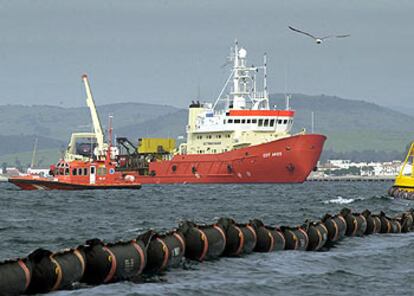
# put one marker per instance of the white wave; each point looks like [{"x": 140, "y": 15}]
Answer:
[{"x": 340, "y": 200}]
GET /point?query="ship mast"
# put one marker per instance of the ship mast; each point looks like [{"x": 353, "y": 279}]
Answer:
[
  {"x": 95, "y": 117},
  {"x": 244, "y": 87},
  {"x": 109, "y": 150},
  {"x": 32, "y": 165},
  {"x": 240, "y": 78},
  {"x": 265, "y": 94}
]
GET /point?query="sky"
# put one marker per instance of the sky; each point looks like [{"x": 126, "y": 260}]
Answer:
[{"x": 171, "y": 52}]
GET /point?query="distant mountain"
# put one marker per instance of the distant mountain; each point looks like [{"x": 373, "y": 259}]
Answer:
[
  {"x": 59, "y": 123},
  {"x": 17, "y": 144},
  {"x": 354, "y": 127},
  {"x": 403, "y": 109},
  {"x": 169, "y": 125},
  {"x": 18, "y": 150}
]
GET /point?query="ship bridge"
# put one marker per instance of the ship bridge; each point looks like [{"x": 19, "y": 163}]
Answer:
[{"x": 241, "y": 115}]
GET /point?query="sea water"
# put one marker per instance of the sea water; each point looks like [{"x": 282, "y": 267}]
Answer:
[{"x": 380, "y": 264}]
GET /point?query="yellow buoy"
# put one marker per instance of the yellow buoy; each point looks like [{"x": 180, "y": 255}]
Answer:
[{"x": 406, "y": 182}]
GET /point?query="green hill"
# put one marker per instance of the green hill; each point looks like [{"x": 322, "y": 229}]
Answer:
[
  {"x": 44, "y": 158},
  {"x": 59, "y": 123},
  {"x": 351, "y": 125},
  {"x": 169, "y": 125},
  {"x": 20, "y": 143}
]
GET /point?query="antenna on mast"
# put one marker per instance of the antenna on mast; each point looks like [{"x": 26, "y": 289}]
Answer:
[
  {"x": 108, "y": 157},
  {"x": 288, "y": 97},
  {"x": 198, "y": 91},
  {"x": 265, "y": 75},
  {"x": 312, "y": 121},
  {"x": 32, "y": 165},
  {"x": 236, "y": 53}
]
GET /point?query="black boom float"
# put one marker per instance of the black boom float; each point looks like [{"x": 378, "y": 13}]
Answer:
[
  {"x": 97, "y": 262},
  {"x": 203, "y": 242}
]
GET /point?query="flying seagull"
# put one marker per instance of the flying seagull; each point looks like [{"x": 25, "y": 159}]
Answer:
[{"x": 319, "y": 39}]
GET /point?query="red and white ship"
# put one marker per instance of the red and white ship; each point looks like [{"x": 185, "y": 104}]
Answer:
[{"x": 238, "y": 139}]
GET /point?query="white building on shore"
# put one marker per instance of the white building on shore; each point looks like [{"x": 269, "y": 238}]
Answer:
[{"x": 390, "y": 168}]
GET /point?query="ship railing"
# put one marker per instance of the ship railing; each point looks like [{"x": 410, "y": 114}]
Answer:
[
  {"x": 219, "y": 112},
  {"x": 302, "y": 132},
  {"x": 258, "y": 95}
]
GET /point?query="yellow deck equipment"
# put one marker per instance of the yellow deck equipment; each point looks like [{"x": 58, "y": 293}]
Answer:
[{"x": 156, "y": 145}]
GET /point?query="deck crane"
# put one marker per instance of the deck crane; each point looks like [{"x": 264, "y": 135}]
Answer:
[
  {"x": 97, "y": 127},
  {"x": 88, "y": 145}
]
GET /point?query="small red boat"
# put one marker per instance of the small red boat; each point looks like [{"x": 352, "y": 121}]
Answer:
[
  {"x": 78, "y": 175},
  {"x": 79, "y": 171}
]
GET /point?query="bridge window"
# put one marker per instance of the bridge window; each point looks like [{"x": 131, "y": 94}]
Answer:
[
  {"x": 266, "y": 122},
  {"x": 285, "y": 121},
  {"x": 237, "y": 121},
  {"x": 272, "y": 122},
  {"x": 260, "y": 122},
  {"x": 243, "y": 120},
  {"x": 230, "y": 121},
  {"x": 254, "y": 120},
  {"x": 280, "y": 121},
  {"x": 248, "y": 121},
  {"x": 74, "y": 172}
]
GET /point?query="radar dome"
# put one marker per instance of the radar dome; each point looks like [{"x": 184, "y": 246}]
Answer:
[{"x": 242, "y": 53}]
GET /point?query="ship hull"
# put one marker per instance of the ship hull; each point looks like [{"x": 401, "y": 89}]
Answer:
[
  {"x": 287, "y": 160},
  {"x": 28, "y": 183}
]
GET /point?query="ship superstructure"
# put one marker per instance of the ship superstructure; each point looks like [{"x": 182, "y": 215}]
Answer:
[{"x": 240, "y": 118}]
